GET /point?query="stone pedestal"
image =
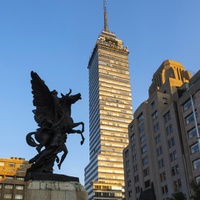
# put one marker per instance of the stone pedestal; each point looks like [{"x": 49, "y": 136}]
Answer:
[{"x": 55, "y": 190}]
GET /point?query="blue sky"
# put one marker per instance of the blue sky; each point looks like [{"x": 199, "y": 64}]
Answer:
[{"x": 55, "y": 38}]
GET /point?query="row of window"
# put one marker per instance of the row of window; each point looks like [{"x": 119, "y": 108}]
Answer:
[
  {"x": 11, "y": 177},
  {"x": 10, "y": 186},
  {"x": 164, "y": 189},
  {"x": 2, "y": 164},
  {"x": 177, "y": 186},
  {"x": 167, "y": 117},
  {"x": 10, "y": 196}
]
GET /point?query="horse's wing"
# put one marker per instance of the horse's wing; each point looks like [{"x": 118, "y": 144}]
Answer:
[{"x": 43, "y": 101}]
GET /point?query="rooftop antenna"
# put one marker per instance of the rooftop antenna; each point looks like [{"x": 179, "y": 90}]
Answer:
[{"x": 105, "y": 16}]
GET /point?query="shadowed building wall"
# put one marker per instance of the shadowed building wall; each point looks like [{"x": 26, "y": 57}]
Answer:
[{"x": 162, "y": 155}]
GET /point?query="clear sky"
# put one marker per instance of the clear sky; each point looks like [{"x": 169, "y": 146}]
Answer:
[{"x": 55, "y": 38}]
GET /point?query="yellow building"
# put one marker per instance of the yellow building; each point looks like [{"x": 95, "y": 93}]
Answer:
[
  {"x": 12, "y": 173},
  {"x": 163, "y": 154}
]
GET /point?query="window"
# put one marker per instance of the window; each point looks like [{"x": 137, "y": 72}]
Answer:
[
  {"x": 7, "y": 196},
  {"x": 8, "y": 186},
  {"x": 136, "y": 178},
  {"x": 144, "y": 149},
  {"x": 163, "y": 176},
  {"x": 190, "y": 118},
  {"x": 140, "y": 117},
  {"x": 129, "y": 183},
  {"x": 127, "y": 163},
  {"x": 196, "y": 164},
  {"x": 146, "y": 172},
  {"x": 173, "y": 156},
  {"x": 157, "y": 139},
  {"x": 147, "y": 184},
  {"x": 167, "y": 117},
  {"x": 197, "y": 179},
  {"x": 18, "y": 196},
  {"x": 171, "y": 142},
  {"x": 20, "y": 178},
  {"x": 156, "y": 127},
  {"x": 19, "y": 187},
  {"x": 133, "y": 137},
  {"x": 130, "y": 193},
  {"x": 187, "y": 105},
  {"x": 134, "y": 157},
  {"x": 126, "y": 154},
  {"x": 2, "y": 163},
  {"x": 128, "y": 173},
  {"x": 169, "y": 129},
  {"x": 133, "y": 147},
  {"x": 154, "y": 115},
  {"x": 145, "y": 160},
  {"x": 193, "y": 133},
  {"x": 132, "y": 128},
  {"x": 159, "y": 151},
  {"x": 11, "y": 164},
  {"x": 194, "y": 148},
  {"x": 142, "y": 138},
  {"x": 135, "y": 168},
  {"x": 153, "y": 105},
  {"x": 177, "y": 185},
  {"x": 164, "y": 189},
  {"x": 137, "y": 189},
  {"x": 161, "y": 163},
  {"x": 165, "y": 100},
  {"x": 22, "y": 165},
  {"x": 10, "y": 177},
  {"x": 141, "y": 128},
  {"x": 175, "y": 170}
]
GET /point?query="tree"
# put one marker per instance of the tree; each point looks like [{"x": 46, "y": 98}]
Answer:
[
  {"x": 178, "y": 196},
  {"x": 196, "y": 189}
]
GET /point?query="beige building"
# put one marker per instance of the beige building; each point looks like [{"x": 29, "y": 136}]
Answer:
[
  {"x": 162, "y": 156},
  {"x": 12, "y": 173}
]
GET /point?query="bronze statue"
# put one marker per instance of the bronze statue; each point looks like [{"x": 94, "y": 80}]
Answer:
[{"x": 53, "y": 116}]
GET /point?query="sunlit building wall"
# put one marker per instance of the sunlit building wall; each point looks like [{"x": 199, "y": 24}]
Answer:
[
  {"x": 110, "y": 112},
  {"x": 12, "y": 173}
]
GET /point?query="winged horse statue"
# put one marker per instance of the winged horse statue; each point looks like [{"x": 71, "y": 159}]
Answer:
[{"x": 53, "y": 116}]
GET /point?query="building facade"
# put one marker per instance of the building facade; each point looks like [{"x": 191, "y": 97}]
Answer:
[
  {"x": 189, "y": 114},
  {"x": 110, "y": 112},
  {"x": 163, "y": 155},
  {"x": 12, "y": 173}
]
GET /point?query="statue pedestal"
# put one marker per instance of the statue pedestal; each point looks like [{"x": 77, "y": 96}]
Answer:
[{"x": 55, "y": 190}]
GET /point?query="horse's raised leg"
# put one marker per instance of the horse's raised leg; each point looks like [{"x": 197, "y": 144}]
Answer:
[
  {"x": 73, "y": 125},
  {"x": 63, "y": 156}
]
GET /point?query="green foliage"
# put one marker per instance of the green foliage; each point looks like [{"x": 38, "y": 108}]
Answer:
[
  {"x": 178, "y": 196},
  {"x": 196, "y": 189}
]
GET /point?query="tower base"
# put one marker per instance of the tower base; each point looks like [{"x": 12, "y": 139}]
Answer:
[{"x": 54, "y": 190}]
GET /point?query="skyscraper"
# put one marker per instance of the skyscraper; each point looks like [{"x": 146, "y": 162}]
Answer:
[{"x": 110, "y": 112}]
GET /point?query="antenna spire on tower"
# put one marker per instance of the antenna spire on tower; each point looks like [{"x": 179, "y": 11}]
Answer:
[{"x": 105, "y": 16}]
